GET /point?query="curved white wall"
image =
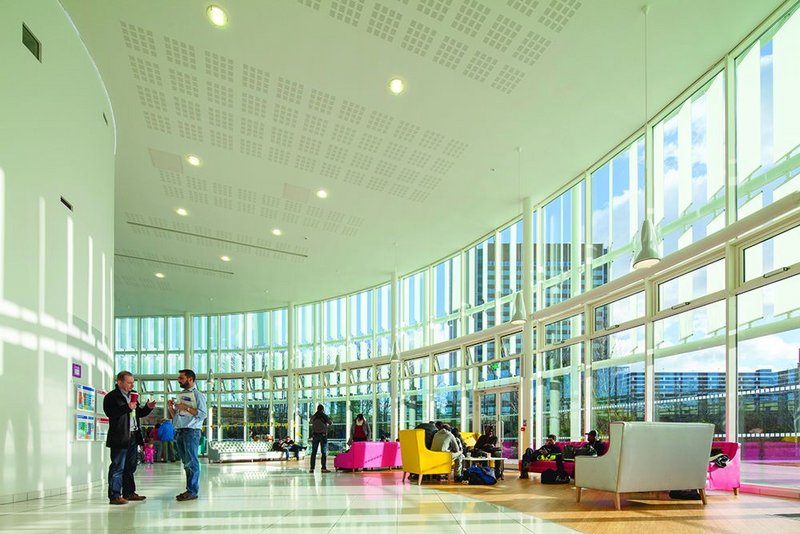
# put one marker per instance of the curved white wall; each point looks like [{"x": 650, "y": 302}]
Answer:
[{"x": 56, "y": 297}]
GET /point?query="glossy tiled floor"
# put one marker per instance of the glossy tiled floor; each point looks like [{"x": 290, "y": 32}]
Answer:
[{"x": 272, "y": 497}]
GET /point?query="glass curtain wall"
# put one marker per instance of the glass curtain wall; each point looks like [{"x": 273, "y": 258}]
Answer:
[{"x": 730, "y": 308}]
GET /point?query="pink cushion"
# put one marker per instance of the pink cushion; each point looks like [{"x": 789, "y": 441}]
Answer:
[
  {"x": 370, "y": 455},
  {"x": 728, "y": 477}
]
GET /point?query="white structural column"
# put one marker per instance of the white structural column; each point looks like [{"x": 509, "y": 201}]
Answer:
[
  {"x": 394, "y": 368},
  {"x": 291, "y": 402},
  {"x": 526, "y": 413},
  {"x": 187, "y": 341}
]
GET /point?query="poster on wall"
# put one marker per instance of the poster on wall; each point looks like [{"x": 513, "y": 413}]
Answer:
[
  {"x": 101, "y": 429},
  {"x": 100, "y": 396},
  {"x": 84, "y": 427},
  {"x": 84, "y": 400}
]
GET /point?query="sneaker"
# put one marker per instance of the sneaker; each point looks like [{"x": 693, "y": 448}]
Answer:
[
  {"x": 325, "y": 470},
  {"x": 186, "y": 497},
  {"x": 135, "y": 497},
  {"x": 118, "y": 500},
  {"x": 311, "y": 471},
  {"x": 524, "y": 476}
]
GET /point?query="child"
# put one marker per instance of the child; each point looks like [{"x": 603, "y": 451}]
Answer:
[{"x": 149, "y": 452}]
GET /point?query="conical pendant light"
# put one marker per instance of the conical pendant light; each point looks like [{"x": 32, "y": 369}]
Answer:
[
  {"x": 648, "y": 254},
  {"x": 520, "y": 314},
  {"x": 647, "y": 244}
]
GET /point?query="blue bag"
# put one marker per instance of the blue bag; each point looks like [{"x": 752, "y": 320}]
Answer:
[{"x": 477, "y": 475}]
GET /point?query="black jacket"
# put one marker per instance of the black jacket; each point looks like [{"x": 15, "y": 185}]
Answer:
[{"x": 119, "y": 420}]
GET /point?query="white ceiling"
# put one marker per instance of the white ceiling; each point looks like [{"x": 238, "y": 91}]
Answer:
[{"x": 291, "y": 97}]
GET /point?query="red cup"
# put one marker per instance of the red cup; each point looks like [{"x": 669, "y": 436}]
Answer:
[{"x": 134, "y": 396}]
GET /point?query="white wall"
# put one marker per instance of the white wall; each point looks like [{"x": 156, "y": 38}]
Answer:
[{"x": 56, "y": 297}]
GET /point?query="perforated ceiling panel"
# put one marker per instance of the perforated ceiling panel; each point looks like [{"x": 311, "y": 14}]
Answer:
[{"x": 291, "y": 97}]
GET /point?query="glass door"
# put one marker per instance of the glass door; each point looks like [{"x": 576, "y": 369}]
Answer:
[{"x": 500, "y": 408}]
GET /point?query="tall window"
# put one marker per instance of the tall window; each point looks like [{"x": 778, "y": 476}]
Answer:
[
  {"x": 412, "y": 306},
  {"x": 689, "y": 168},
  {"x": 617, "y": 212},
  {"x": 480, "y": 265},
  {"x": 563, "y": 245},
  {"x": 361, "y": 329},
  {"x": 446, "y": 299},
  {"x": 768, "y": 116}
]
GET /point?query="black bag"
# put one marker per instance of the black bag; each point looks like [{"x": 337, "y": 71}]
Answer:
[
  {"x": 586, "y": 450},
  {"x": 477, "y": 475},
  {"x": 569, "y": 452},
  {"x": 551, "y": 476}
]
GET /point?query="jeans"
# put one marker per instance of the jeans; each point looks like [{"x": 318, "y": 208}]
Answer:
[
  {"x": 121, "y": 470},
  {"x": 316, "y": 441},
  {"x": 188, "y": 439},
  {"x": 457, "y": 463},
  {"x": 167, "y": 452}
]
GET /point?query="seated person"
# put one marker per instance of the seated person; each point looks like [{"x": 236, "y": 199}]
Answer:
[
  {"x": 549, "y": 451},
  {"x": 359, "y": 431},
  {"x": 288, "y": 445},
  {"x": 430, "y": 429},
  {"x": 596, "y": 444},
  {"x": 445, "y": 441},
  {"x": 457, "y": 433},
  {"x": 487, "y": 442}
]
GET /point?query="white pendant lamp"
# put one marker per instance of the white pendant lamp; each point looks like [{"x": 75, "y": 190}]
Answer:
[
  {"x": 520, "y": 314},
  {"x": 648, "y": 254}
]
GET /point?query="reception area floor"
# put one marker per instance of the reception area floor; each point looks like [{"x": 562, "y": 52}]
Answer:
[{"x": 285, "y": 497}]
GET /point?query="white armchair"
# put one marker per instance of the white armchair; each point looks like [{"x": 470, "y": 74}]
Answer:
[{"x": 648, "y": 457}]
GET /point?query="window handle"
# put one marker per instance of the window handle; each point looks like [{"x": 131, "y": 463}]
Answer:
[
  {"x": 776, "y": 271},
  {"x": 681, "y": 305},
  {"x": 612, "y": 327}
]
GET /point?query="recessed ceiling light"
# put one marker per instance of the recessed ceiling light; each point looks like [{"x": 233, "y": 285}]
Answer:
[
  {"x": 182, "y": 212},
  {"x": 225, "y": 258},
  {"x": 277, "y": 231},
  {"x": 217, "y": 16},
  {"x": 397, "y": 86},
  {"x": 193, "y": 160},
  {"x": 322, "y": 193},
  {"x": 159, "y": 275}
]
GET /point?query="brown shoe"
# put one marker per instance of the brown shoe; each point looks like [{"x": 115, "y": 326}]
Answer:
[
  {"x": 186, "y": 497},
  {"x": 135, "y": 497},
  {"x": 118, "y": 500},
  {"x": 181, "y": 495},
  {"x": 326, "y": 470}
]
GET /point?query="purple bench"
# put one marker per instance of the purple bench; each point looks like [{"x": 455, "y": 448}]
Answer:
[{"x": 370, "y": 455}]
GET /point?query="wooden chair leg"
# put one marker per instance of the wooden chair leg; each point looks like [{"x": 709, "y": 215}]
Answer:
[
  {"x": 616, "y": 502},
  {"x": 703, "y": 495},
  {"x": 577, "y": 494},
  {"x": 736, "y": 491},
  {"x": 420, "y": 480}
]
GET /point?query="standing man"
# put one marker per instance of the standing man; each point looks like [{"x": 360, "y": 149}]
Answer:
[
  {"x": 188, "y": 415},
  {"x": 122, "y": 408},
  {"x": 319, "y": 436}
]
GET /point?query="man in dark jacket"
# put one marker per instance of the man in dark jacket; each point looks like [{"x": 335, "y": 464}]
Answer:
[
  {"x": 122, "y": 408},
  {"x": 430, "y": 429},
  {"x": 319, "y": 437}
]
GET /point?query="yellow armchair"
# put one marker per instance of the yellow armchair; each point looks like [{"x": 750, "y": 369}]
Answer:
[
  {"x": 470, "y": 438},
  {"x": 418, "y": 459}
]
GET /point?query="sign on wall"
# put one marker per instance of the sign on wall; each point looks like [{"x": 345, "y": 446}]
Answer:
[
  {"x": 84, "y": 427},
  {"x": 84, "y": 399}
]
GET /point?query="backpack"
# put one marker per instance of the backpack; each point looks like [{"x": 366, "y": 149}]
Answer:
[
  {"x": 551, "y": 476},
  {"x": 477, "y": 475},
  {"x": 569, "y": 452},
  {"x": 586, "y": 450},
  {"x": 319, "y": 423}
]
